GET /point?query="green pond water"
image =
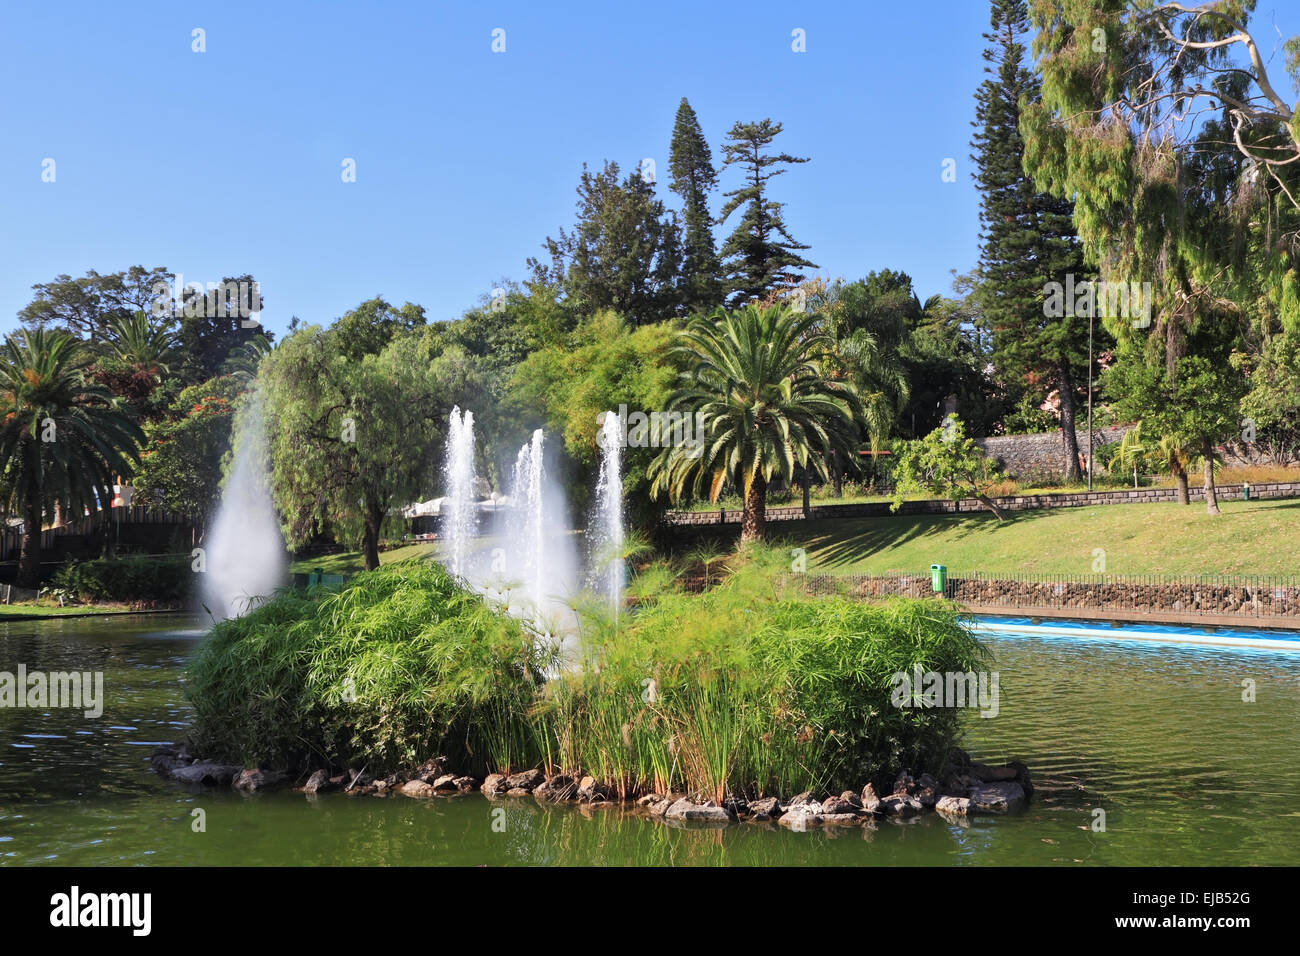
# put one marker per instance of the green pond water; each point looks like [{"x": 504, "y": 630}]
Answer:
[{"x": 1155, "y": 734}]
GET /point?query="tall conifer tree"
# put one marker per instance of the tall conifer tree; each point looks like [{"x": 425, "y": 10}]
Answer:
[
  {"x": 693, "y": 177},
  {"x": 1027, "y": 237},
  {"x": 760, "y": 256}
]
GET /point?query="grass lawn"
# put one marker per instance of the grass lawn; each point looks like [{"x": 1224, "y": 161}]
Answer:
[
  {"x": 47, "y": 610},
  {"x": 349, "y": 562},
  {"x": 1250, "y": 537}
]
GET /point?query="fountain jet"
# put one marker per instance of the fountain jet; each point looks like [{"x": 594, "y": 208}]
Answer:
[
  {"x": 459, "y": 519},
  {"x": 245, "y": 557},
  {"x": 605, "y": 560}
]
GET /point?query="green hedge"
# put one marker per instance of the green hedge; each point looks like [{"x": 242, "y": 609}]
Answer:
[{"x": 166, "y": 579}]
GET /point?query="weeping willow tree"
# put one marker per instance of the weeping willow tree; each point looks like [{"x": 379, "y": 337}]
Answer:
[{"x": 1161, "y": 124}]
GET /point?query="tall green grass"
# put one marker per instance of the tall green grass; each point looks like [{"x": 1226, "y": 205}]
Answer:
[
  {"x": 758, "y": 688},
  {"x": 751, "y": 687}
]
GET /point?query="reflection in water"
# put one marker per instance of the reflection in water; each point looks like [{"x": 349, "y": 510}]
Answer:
[{"x": 1156, "y": 735}]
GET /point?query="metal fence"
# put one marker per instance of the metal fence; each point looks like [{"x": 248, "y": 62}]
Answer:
[{"x": 1207, "y": 595}]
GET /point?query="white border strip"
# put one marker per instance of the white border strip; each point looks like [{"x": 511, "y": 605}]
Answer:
[{"x": 1124, "y": 634}]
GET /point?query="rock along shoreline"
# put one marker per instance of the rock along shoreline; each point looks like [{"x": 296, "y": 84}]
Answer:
[{"x": 967, "y": 788}]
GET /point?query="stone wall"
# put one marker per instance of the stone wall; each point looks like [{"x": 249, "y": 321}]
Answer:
[
  {"x": 1042, "y": 456},
  {"x": 1077, "y": 499},
  {"x": 1247, "y": 598}
]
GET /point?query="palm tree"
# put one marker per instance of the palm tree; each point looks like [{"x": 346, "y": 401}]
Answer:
[
  {"x": 881, "y": 381},
  {"x": 245, "y": 360},
  {"x": 63, "y": 437},
  {"x": 134, "y": 356},
  {"x": 871, "y": 362},
  {"x": 1166, "y": 454},
  {"x": 138, "y": 341},
  {"x": 757, "y": 380}
]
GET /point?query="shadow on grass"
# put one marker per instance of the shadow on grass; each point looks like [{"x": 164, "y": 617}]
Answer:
[
  {"x": 847, "y": 542},
  {"x": 841, "y": 542}
]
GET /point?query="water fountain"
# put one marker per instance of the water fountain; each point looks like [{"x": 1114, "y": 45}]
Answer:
[
  {"x": 530, "y": 514},
  {"x": 459, "y": 520},
  {"x": 534, "y": 575},
  {"x": 605, "y": 560},
  {"x": 244, "y": 556}
]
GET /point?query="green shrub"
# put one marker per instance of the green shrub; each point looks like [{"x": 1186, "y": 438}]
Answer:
[
  {"x": 753, "y": 686},
  {"x": 166, "y": 579},
  {"x": 396, "y": 666}
]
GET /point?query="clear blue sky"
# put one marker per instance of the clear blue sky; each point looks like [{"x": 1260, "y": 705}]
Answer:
[{"x": 229, "y": 161}]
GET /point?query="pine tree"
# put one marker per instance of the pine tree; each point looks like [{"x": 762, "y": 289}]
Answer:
[
  {"x": 693, "y": 177},
  {"x": 760, "y": 256},
  {"x": 1027, "y": 237},
  {"x": 624, "y": 252}
]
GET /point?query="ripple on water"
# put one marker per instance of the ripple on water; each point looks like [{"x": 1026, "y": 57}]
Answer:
[
  {"x": 1155, "y": 734},
  {"x": 1159, "y": 732}
]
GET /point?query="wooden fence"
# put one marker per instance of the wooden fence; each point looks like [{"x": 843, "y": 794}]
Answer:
[{"x": 11, "y": 539}]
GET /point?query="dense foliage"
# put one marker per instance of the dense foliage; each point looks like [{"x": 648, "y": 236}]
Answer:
[
  {"x": 63, "y": 437},
  {"x": 401, "y": 665},
  {"x": 168, "y": 579}
]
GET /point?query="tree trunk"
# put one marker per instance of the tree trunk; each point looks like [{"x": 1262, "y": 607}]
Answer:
[
  {"x": 807, "y": 493},
  {"x": 29, "y": 561},
  {"x": 370, "y": 539},
  {"x": 754, "y": 524},
  {"x": 1070, "y": 440},
  {"x": 988, "y": 502},
  {"x": 1180, "y": 476},
  {"x": 837, "y": 475},
  {"x": 1211, "y": 498}
]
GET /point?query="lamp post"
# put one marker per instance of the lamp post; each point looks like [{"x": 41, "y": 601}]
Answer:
[{"x": 1090, "y": 399}]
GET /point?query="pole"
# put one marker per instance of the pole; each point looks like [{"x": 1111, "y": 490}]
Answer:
[{"x": 1090, "y": 320}]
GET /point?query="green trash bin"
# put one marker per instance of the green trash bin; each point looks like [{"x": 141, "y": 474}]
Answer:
[
  {"x": 1245, "y": 492},
  {"x": 938, "y": 578}
]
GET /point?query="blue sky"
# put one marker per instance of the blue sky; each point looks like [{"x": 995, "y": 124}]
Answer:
[{"x": 229, "y": 161}]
